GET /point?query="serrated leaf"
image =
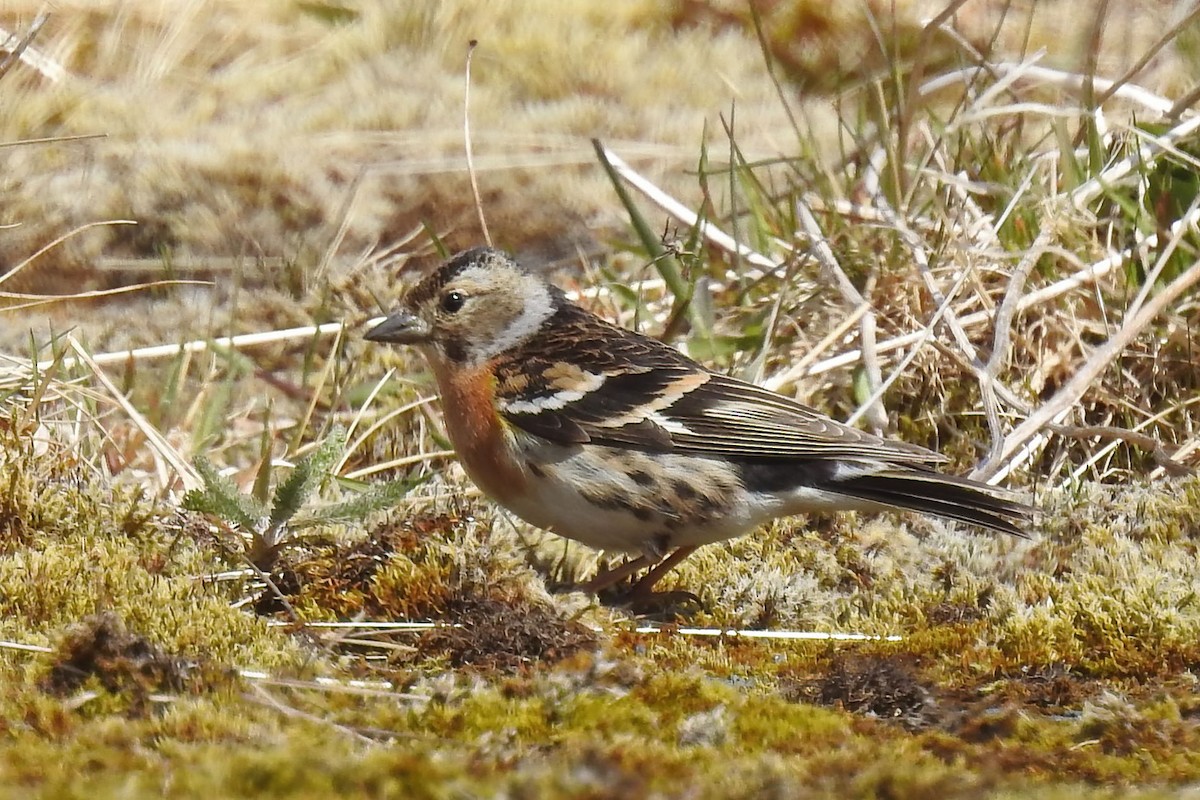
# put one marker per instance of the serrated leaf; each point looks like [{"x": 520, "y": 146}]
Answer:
[
  {"x": 379, "y": 497},
  {"x": 306, "y": 476},
  {"x": 220, "y": 497}
]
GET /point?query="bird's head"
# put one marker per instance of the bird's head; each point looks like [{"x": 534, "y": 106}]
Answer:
[{"x": 477, "y": 305}]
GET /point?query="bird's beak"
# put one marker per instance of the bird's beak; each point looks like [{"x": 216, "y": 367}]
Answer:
[{"x": 403, "y": 327}]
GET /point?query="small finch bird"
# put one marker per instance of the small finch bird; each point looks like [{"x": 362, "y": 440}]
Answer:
[{"x": 619, "y": 441}]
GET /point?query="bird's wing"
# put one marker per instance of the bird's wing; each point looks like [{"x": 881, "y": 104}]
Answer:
[{"x": 587, "y": 381}]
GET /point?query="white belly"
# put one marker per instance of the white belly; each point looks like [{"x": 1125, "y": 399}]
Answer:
[
  {"x": 616, "y": 499},
  {"x": 620, "y": 499}
]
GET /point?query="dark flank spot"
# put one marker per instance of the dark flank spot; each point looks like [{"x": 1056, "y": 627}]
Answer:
[
  {"x": 709, "y": 504},
  {"x": 705, "y": 504},
  {"x": 642, "y": 513},
  {"x": 660, "y": 543},
  {"x": 684, "y": 490},
  {"x": 611, "y": 502},
  {"x": 642, "y": 478},
  {"x": 537, "y": 471}
]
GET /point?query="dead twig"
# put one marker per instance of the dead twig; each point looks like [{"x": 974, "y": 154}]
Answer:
[
  {"x": 1064, "y": 400},
  {"x": 1158, "y": 451},
  {"x": 873, "y": 410}
]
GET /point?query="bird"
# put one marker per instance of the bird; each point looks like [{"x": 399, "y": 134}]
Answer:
[{"x": 617, "y": 440}]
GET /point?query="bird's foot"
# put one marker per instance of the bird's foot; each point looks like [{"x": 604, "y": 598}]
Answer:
[{"x": 676, "y": 605}]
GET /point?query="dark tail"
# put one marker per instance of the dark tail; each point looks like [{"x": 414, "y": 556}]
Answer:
[{"x": 947, "y": 496}]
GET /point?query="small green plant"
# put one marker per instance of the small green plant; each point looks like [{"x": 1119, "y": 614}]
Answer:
[{"x": 270, "y": 518}]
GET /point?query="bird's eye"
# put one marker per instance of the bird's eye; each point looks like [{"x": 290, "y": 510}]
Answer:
[{"x": 452, "y": 301}]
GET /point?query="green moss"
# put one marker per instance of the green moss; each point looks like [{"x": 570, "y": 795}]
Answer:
[{"x": 1048, "y": 668}]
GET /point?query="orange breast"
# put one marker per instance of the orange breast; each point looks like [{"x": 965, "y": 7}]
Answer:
[{"x": 481, "y": 439}]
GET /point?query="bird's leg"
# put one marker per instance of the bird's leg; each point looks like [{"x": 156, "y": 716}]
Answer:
[
  {"x": 642, "y": 589},
  {"x": 641, "y": 597},
  {"x": 610, "y": 577}
]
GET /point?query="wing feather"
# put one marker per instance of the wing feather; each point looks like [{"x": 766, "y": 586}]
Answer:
[{"x": 589, "y": 381}]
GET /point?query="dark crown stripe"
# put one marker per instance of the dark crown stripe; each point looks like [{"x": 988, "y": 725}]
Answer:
[{"x": 432, "y": 283}]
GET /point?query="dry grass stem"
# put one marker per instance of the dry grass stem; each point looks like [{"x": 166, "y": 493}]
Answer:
[
  {"x": 166, "y": 452},
  {"x": 240, "y": 341},
  {"x": 399, "y": 463},
  {"x": 46, "y": 248},
  {"x": 1002, "y": 338},
  {"x": 1009, "y": 73},
  {"x": 1017, "y": 444},
  {"x": 470, "y": 151},
  {"x": 1135, "y": 165},
  {"x": 801, "y": 366},
  {"x": 40, "y": 300},
  {"x": 685, "y": 216},
  {"x": 1167, "y": 461},
  {"x": 875, "y": 412},
  {"x": 928, "y": 333},
  {"x": 258, "y": 693},
  {"x": 378, "y": 425}
]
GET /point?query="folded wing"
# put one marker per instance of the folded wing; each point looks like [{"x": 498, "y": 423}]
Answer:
[{"x": 602, "y": 384}]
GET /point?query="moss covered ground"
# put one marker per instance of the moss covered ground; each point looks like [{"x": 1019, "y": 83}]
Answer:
[{"x": 302, "y": 163}]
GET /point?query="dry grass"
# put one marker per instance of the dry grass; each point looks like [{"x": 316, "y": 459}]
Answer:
[{"x": 993, "y": 257}]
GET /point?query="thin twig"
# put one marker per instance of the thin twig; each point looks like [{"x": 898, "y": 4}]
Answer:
[
  {"x": 1070, "y": 393},
  {"x": 187, "y": 475},
  {"x": 487, "y": 236},
  {"x": 1002, "y": 336},
  {"x": 276, "y": 592},
  {"x": 714, "y": 235},
  {"x": 1167, "y": 460},
  {"x": 875, "y": 412},
  {"x": 1182, "y": 452}
]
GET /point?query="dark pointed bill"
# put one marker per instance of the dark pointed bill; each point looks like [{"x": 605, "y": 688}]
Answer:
[{"x": 403, "y": 327}]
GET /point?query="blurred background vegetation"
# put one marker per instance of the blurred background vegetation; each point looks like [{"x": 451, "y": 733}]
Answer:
[{"x": 971, "y": 226}]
